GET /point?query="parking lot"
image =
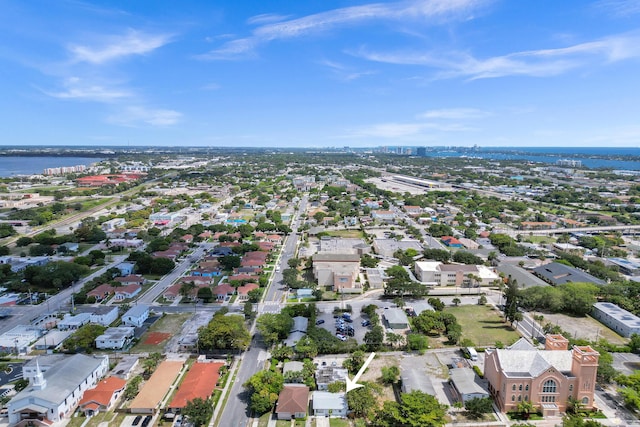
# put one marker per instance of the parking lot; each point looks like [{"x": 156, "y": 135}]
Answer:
[{"x": 330, "y": 324}]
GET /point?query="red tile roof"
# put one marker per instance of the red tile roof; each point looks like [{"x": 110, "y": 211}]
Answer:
[
  {"x": 200, "y": 382},
  {"x": 102, "y": 392}
]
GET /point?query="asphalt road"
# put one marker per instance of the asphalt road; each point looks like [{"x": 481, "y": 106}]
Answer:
[
  {"x": 22, "y": 314},
  {"x": 236, "y": 413}
]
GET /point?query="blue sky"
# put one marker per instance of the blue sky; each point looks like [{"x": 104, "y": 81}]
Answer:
[{"x": 320, "y": 73}]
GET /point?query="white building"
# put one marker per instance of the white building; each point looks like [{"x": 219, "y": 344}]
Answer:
[
  {"x": 439, "y": 274},
  {"x": 19, "y": 339},
  {"x": 618, "y": 319},
  {"x": 74, "y": 322},
  {"x": 53, "y": 394},
  {"x": 115, "y": 338},
  {"x": 327, "y": 404},
  {"x": 136, "y": 316},
  {"x": 103, "y": 315}
]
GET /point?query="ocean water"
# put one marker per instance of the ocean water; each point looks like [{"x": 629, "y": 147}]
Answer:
[
  {"x": 591, "y": 157},
  {"x": 18, "y": 165}
]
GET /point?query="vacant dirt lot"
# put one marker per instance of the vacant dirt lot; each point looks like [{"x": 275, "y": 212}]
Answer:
[{"x": 583, "y": 327}]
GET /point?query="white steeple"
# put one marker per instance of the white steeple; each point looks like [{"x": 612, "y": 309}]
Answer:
[{"x": 38, "y": 380}]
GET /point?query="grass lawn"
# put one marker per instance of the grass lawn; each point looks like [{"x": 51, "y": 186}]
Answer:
[
  {"x": 540, "y": 239},
  {"x": 338, "y": 422},
  {"x": 352, "y": 234},
  {"x": 170, "y": 323},
  {"x": 109, "y": 418},
  {"x": 263, "y": 421},
  {"x": 482, "y": 325},
  {"x": 283, "y": 423}
]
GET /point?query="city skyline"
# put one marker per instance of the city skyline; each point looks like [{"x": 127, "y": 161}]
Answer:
[{"x": 298, "y": 74}]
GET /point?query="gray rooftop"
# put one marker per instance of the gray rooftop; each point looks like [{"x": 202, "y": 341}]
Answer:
[
  {"x": 336, "y": 257},
  {"x": 465, "y": 381},
  {"x": 558, "y": 274},
  {"x": 300, "y": 324},
  {"x": 620, "y": 314},
  {"x": 117, "y": 333},
  {"x": 415, "y": 379},
  {"x": 137, "y": 311},
  {"x": 396, "y": 315},
  {"x": 531, "y": 363},
  {"x": 326, "y": 400},
  {"x": 292, "y": 367},
  {"x": 63, "y": 377}
]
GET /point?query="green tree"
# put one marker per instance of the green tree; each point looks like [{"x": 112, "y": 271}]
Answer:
[
  {"x": 274, "y": 327},
  {"x": 198, "y": 411},
  {"x": 225, "y": 333},
  {"x": 229, "y": 262},
  {"x": 362, "y": 400},
  {"x": 205, "y": 294},
  {"x": 465, "y": 257},
  {"x": 374, "y": 338},
  {"x": 417, "y": 342},
  {"x": 441, "y": 255},
  {"x": 354, "y": 362},
  {"x": 456, "y": 301},
  {"x": 263, "y": 388},
  {"x": 478, "y": 406},
  {"x": 416, "y": 409},
  {"x": 390, "y": 375},
  {"x": 306, "y": 347},
  {"x": 511, "y": 300}
]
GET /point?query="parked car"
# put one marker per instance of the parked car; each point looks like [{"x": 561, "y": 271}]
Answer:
[
  {"x": 319, "y": 321},
  {"x": 146, "y": 421},
  {"x": 136, "y": 420},
  {"x": 366, "y": 323}
]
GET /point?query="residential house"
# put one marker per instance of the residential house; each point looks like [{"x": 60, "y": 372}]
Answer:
[
  {"x": 547, "y": 378},
  {"x": 413, "y": 210},
  {"x": 136, "y": 316},
  {"x": 101, "y": 292},
  {"x": 326, "y": 375},
  {"x": 223, "y": 291},
  {"x": 327, "y": 404},
  {"x": 131, "y": 279},
  {"x": 122, "y": 293},
  {"x": 102, "y": 315},
  {"x": 115, "y": 338},
  {"x": 298, "y": 330},
  {"x": 102, "y": 397},
  {"x": 338, "y": 271},
  {"x": 465, "y": 385},
  {"x": 126, "y": 268},
  {"x": 74, "y": 322},
  {"x": 293, "y": 401},
  {"x": 383, "y": 216},
  {"x": 451, "y": 242},
  {"x": 243, "y": 291}
]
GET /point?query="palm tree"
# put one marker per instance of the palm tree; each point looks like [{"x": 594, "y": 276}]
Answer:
[{"x": 525, "y": 408}]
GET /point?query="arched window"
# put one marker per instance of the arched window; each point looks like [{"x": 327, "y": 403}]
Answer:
[
  {"x": 549, "y": 386},
  {"x": 513, "y": 387},
  {"x": 526, "y": 397},
  {"x": 513, "y": 397},
  {"x": 585, "y": 400},
  {"x": 519, "y": 398},
  {"x": 526, "y": 388},
  {"x": 520, "y": 387},
  {"x": 570, "y": 387}
]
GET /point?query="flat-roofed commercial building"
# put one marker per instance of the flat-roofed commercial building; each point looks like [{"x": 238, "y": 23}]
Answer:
[{"x": 618, "y": 319}]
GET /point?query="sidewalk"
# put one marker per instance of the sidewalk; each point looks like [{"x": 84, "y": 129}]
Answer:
[{"x": 225, "y": 391}]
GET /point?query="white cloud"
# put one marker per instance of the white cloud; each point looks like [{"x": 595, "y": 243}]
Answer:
[
  {"x": 115, "y": 47},
  {"x": 535, "y": 63},
  {"x": 456, "y": 114},
  {"x": 344, "y": 72},
  {"x": 403, "y": 130},
  {"x": 211, "y": 86},
  {"x": 326, "y": 21},
  {"x": 76, "y": 88},
  {"x": 138, "y": 115},
  {"x": 266, "y": 18},
  {"x": 619, "y": 8}
]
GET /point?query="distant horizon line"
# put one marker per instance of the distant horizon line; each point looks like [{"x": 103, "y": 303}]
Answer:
[{"x": 332, "y": 147}]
